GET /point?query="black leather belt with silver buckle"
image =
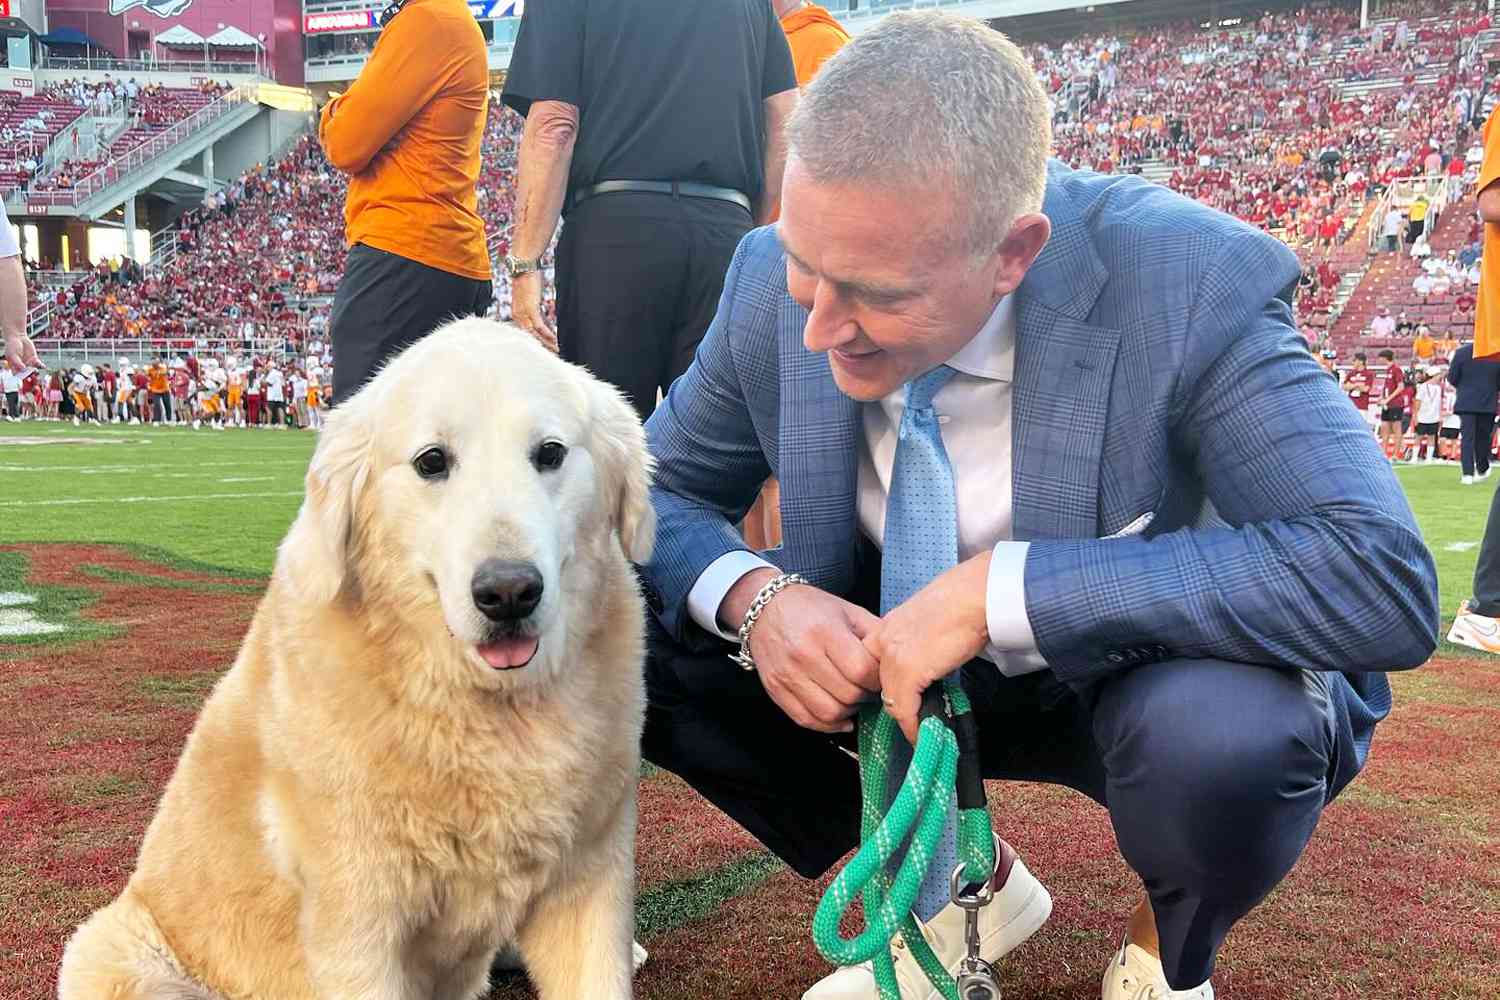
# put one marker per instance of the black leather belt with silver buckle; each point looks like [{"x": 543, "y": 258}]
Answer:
[{"x": 677, "y": 189}]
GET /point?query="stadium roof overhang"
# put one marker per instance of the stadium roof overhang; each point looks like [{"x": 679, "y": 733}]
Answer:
[
  {"x": 857, "y": 21},
  {"x": 68, "y": 36},
  {"x": 10, "y": 27}
]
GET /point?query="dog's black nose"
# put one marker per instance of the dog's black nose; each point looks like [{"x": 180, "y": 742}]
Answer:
[{"x": 506, "y": 590}]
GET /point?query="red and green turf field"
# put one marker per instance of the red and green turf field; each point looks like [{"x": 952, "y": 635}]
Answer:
[{"x": 107, "y": 650}]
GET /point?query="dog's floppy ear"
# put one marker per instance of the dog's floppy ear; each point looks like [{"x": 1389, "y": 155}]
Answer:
[
  {"x": 619, "y": 452},
  {"x": 315, "y": 553}
]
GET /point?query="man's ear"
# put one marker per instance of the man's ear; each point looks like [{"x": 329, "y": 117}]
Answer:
[
  {"x": 1019, "y": 250},
  {"x": 619, "y": 451},
  {"x": 314, "y": 556}
]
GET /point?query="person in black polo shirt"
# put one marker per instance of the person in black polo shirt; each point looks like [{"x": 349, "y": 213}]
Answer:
[{"x": 655, "y": 128}]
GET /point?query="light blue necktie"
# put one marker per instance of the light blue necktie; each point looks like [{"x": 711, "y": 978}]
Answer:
[{"x": 921, "y": 543}]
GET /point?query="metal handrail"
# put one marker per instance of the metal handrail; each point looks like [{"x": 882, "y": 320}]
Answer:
[
  {"x": 117, "y": 169},
  {"x": 231, "y": 67}
]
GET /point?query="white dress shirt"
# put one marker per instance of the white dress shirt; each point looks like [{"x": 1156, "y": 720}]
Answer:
[{"x": 974, "y": 413}]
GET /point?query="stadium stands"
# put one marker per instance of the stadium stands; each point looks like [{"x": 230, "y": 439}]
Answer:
[
  {"x": 27, "y": 126},
  {"x": 152, "y": 109},
  {"x": 1297, "y": 122},
  {"x": 262, "y": 258}
]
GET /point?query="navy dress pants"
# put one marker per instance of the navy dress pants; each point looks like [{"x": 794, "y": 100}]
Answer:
[{"x": 1214, "y": 773}]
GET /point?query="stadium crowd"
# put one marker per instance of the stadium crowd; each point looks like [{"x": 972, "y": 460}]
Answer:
[{"x": 1296, "y": 123}]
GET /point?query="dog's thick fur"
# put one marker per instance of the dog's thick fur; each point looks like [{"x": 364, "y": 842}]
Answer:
[{"x": 366, "y": 810}]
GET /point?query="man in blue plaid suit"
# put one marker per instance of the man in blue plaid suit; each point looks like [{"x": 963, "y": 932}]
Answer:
[{"x": 1183, "y": 566}]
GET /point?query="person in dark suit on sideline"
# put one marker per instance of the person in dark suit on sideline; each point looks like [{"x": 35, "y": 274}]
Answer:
[{"x": 1477, "y": 382}]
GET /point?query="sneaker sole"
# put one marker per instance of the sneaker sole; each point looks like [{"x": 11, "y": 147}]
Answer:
[{"x": 1463, "y": 637}]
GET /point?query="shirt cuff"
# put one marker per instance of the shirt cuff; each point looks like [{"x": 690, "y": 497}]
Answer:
[
  {"x": 1012, "y": 646},
  {"x": 713, "y": 583}
]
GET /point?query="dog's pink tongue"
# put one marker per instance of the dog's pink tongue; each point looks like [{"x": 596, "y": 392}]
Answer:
[{"x": 504, "y": 654}]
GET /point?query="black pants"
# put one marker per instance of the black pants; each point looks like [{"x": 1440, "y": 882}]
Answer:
[
  {"x": 386, "y": 303},
  {"x": 1487, "y": 571},
  {"x": 638, "y": 282},
  {"x": 1214, "y": 773},
  {"x": 1475, "y": 432}
]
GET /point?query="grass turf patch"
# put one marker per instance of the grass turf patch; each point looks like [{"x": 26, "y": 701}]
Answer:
[
  {"x": 209, "y": 502},
  {"x": 1452, "y": 518},
  {"x": 1397, "y": 896},
  {"x": 112, "y": 575},
  {"x": 669, "y": 906},
  {"x": 42, "y": 615}
]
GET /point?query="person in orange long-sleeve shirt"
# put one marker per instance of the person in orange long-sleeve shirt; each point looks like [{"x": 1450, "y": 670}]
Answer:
[{"x": 408, "y": 133}]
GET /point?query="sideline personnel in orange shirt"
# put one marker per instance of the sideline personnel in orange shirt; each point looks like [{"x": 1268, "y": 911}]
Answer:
[
  {"x": 408, "y": 134},
  {"x": 1477, "y": 623},
  {"x": 813, "y": 35}
]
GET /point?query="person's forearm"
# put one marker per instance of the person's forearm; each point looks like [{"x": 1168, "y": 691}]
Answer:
[
  {"x": 545, "y": 158},
  {"x": 775, "y": 165},
  {"x": 778, "y": 108},
  {"x": 12, "y": 297}
]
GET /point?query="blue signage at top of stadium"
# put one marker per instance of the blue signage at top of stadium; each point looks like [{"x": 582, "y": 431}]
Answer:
[{"x": 496, "y": 8}]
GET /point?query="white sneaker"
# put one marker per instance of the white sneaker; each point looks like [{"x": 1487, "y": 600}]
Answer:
[
  {"x": 75, "y": 421},
  {"x": 1135, "y": 975},
  {"x": 1476, "y": 631},
  {"x": 1484, "y": 475},
  {"x": 1466, "y": 481},
  {"x": 1021, "y": 905}
]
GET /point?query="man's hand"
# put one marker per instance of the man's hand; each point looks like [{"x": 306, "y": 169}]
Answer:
[
  {"x": 937, "y": 630},
  {"x": 526, "y": 309},
  {"x": 808, "y": 652},
  {"x": 21, "y": 352}
]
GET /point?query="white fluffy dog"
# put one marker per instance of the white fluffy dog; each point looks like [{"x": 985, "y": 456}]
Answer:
[{"x": 429, "y": 743}]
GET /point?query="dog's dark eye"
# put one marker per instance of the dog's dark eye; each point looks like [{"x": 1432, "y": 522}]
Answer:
[
  {"x": 549, "y": 455},
  {"x": 431, "y": 464}
]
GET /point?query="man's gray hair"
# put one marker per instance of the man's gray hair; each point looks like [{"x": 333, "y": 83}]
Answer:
[{"x": 930, "y": 99}]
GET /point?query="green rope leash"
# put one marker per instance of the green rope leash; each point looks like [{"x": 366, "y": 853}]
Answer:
[{"x": 921, "y": 802}]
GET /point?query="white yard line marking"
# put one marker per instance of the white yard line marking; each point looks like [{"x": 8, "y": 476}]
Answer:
[
  {"x": 143, "y": 466},
  {"x": 201, "y": 496},
  {"x": 12, "y": 598},
  {"x": 17, "y": 622},
  {"x": 1461, "y": 546}
]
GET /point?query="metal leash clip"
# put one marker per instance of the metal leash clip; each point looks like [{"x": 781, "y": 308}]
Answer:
[{"x": 977, "y": 979}]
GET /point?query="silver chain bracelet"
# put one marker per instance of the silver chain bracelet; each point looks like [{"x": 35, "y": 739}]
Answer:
[{"x": 776, "y": 585}]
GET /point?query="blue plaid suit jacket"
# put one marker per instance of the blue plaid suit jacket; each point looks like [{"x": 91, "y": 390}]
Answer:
[{"x": 1156, "y": 372}]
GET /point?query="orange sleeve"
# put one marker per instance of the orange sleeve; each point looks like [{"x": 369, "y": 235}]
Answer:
[
  {"x": 1489, "y": 172},
  {"x": 814, "y": 45},
  {"x": 402, "y": 75}
]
